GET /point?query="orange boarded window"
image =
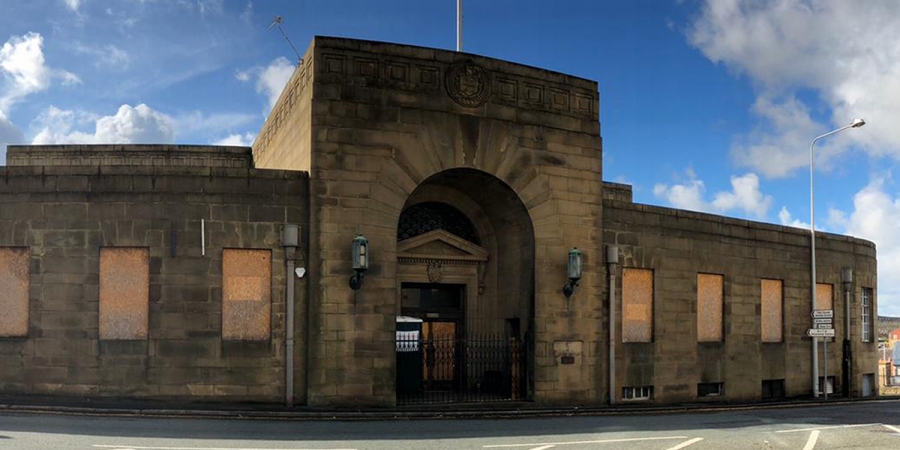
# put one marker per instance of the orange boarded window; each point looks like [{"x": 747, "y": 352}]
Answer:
[
  {"x": 246, "y": 294},
  {"x": 14, "y": 286},
  {"x": 637, "y": 305},
  {"x": 709, "y": 307},
  {"x": 124, "y": 293},
  {"x": 772, "y": 313},
  {"x": 824, "y": 296},
  {"x": 825, "y": 299}
]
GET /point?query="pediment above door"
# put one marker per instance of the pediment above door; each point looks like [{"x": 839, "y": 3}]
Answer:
[{"x": 440, "y": 245}]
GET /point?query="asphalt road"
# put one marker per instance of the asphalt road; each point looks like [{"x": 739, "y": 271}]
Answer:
[{"x": 869, "y": 425}]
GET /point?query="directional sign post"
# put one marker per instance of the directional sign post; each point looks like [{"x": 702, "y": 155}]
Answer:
[
  {"x": 823, "y": 326},
  {"x": 820, "y": 332}
]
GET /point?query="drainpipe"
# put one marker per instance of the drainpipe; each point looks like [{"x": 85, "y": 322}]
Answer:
[
  {"x": 847, "y": 280},
  {"x": 289, "y": 240},
  {"x": 612, "y": 259}
]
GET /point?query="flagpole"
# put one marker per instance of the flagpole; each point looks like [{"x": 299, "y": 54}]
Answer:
[{"x": 459, "y": 19}]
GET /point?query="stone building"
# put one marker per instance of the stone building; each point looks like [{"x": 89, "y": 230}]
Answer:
[{"x": 159, "y": 271}]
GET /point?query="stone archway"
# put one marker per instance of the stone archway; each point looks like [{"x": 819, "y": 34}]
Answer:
[
  {"x": 463, "y": 227},
  {"x": 506, "y": 232}
]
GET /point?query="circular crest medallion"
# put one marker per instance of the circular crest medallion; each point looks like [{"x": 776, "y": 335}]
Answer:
[{"x": 468, "y": 84}]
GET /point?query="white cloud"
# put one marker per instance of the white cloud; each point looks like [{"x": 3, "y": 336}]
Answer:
[
  {"x": 24, "y": 70},
  {"x": 130, "y": 125},
  {"x": 247, "y": 15},
  {"x": 107, "y": 56},
  {"x": 73, "y": 4},
  {"x": 210, "y": 7},
  {"x": 846, "y": 54},
  {"x": 782, "y": 144},
  {"x": 684, "y": 196},
  {"x": 240, "y": 140},
  {"x": 875, "y": 216},
  {"x": 273, "y": 78},
  {"x": 9, "y": 134},
  {"x": 270, "y": 80},
  {"x": 785, "y": 217},
  {"x": 744, "y": 196}
]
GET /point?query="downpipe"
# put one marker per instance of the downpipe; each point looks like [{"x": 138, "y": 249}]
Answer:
[{"x": 612, "y": 259}]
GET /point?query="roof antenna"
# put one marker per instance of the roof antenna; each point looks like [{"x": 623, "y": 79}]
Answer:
[{"x": 277, "y": 23}]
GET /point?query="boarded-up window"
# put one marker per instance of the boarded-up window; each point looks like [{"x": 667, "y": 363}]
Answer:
[
  {"x": 637, "y": 305},
  {"x": 772, "y": 310},
  {"x": 14, "y": 286},
  {"x": 709, "y": 307},
  {"x": 824, "y": 296},
  {"x": 825, "y": 299},
  {"x": 246, "y": 294},
  {"x": 124, "y": 293}
]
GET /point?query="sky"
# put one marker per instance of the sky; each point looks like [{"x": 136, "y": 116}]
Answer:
[{"x": 723, "y": 96}]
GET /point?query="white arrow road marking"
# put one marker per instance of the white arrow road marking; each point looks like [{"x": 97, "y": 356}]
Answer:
[
  {"x": 604, "y": 441},
  {"x": 829, "y": 428},
  {"x": 892, "y": 428},
  {"x": 811, "y": 443},
  {"x": 685, "y": 444}
]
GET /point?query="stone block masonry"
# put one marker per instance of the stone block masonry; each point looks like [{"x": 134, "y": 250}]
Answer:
[
  {"x": 766, "y": 307},
  {"x": 64, "y": 216}
]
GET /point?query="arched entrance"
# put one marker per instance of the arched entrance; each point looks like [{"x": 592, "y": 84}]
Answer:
[{"x": 465, "y": 251}]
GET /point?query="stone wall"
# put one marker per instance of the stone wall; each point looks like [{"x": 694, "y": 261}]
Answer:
[
  {"x": 285, "y": 139},
  {"x": 386, "y": 118},
  {"x": 129, "y": 155},
  {"x": 66, "y": 214},
  {"x": 678, "y": 245}
]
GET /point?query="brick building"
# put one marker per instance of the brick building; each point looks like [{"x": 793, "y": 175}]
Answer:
[{"x": 159, "y": 271}]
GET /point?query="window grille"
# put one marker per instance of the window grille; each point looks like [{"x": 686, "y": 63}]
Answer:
[
  {"x": 637, "y": 393},
  {"x": 866, "y": 314},
  {"x": 710, "y": 389}
]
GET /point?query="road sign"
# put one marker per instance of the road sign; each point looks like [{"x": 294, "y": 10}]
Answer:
[
  {"x": 823, "y": 320},
  {"x": 823, "y": 313},
  {"x": 812, "y": 332},
  {"x": 823, "y": 326}
]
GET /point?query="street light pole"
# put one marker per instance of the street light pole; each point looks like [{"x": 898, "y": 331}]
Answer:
[
  {"x": 812, "y": 238},
  {"x": 847, "y": 281}
]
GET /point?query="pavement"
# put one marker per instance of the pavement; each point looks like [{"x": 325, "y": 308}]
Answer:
[
  {"x": 833, "y": 425},
  {"x": 246, "y": 410}
]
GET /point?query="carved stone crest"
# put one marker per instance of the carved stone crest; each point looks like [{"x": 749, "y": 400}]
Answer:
[
  {"x": 435, "y": 271},
  {"x": 468, "y": 84}
]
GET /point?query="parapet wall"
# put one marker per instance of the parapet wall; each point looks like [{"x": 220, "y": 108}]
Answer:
[{"x": 129, "y": 155}]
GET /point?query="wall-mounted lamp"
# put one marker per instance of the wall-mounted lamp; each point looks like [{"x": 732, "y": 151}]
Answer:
[
  {"x": 574, "y": 271},
  {"x": 360, "y": 261},
  {"x": 847, "y": 278}
]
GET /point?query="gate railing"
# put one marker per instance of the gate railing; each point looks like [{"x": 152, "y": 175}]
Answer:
[{"x": 473, "y": 369}]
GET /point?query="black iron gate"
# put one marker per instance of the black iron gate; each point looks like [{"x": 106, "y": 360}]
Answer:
[{"x": 472, "y": 369}]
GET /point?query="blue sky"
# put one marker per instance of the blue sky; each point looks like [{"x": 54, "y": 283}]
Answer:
[{"x": 705, "y": 104}]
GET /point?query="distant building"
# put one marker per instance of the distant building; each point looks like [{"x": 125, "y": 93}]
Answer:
[
  {"x": 471, "y": 190},
  {"x": 894, "y": 336}
]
